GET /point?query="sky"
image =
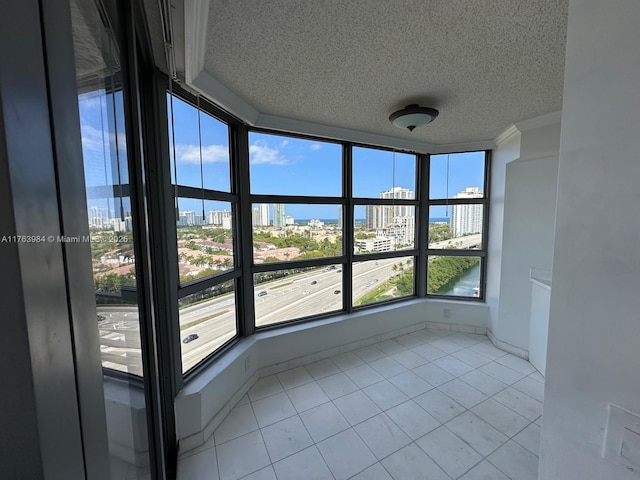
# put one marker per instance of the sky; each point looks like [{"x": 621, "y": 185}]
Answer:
[{"x": 199, "y": 151}]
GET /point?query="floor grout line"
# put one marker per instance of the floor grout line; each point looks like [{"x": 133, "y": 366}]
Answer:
[{"x": 409, "y": 398}]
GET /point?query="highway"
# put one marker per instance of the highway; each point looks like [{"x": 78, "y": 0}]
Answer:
[
  {"x": 214, "y": 320},
  {"x": 460, "y": 243}
]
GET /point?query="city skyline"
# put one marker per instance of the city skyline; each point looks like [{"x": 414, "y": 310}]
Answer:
[{"x": 278, "y": 164}]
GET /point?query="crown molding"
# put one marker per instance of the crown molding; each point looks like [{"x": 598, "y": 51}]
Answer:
[
  {"x": 463, "y": 147},
  {"x": 530, "y": 124},
  {"x": 338, "y": 133},
  {"x": 509, "y": 134},
  {"x": 541, "y": 121},
  {"x": 224, "y": 97},
  {"x": 196, "y": 15}
]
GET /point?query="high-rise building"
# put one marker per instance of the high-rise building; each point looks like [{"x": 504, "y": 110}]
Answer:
[
  {"x": 279, "y": 215},
  {"x": 187, "y": 218},
  {"x": 216, "y": 217},
  {"x": 260, "y": 215},
  {"x": 467, "y": 219},
  {"x": 399, "y": 210},
  {"x": 382, "y": 216},
  {"x": 402, "y": 230}
]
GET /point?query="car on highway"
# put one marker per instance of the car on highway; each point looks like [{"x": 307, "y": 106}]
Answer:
[
  {"x": 306, "y": 292},
  {"x": 336, "y": 292},
  {"x": 190, "y": 338},
  {"x": 314, "y": 282},
  {"x": 262, "y": 293}
]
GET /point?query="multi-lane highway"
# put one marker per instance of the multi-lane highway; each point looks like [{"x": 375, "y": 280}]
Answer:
[
  {"x": 287, "y": 298},
  {"x": 214, "y": 321}
]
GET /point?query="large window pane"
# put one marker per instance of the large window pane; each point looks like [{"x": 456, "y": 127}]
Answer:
[
  {"x": 205, "y": 238},
  {"x": 378, "y": 280},
  {"x": 376, "y": 173},
  {"x": 284, "y": 232},
  {"x": 383, "y": 228},
  {"x": 293, "y": 166},
  {"x": 185, "y": 153},
  {"x": 207, "y": 321},
  {"x": 462, "y": 230},
  {"x": 109, "y": 209},
  {"x": 451, "y": 175},
  {"x": 199, "y": 147},
  {"x": 455, "y": 276},
  {"x": 215, "y": 154},
  {"x": 284, "y": 295}
]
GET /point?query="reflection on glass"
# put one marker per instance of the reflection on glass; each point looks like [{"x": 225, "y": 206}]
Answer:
[
  {"x": 383, "y": 174},
  {"x": 198, "y": 147},
  {"x": 185, "y": 136},
  {"x": 104, "y": 151},
  {"x": 216, "y": 168},
  {"x": 119, "y": 328},
  {"x": 451, "y": 175},
  {"x": 462, "y": 230},
  {"x": 293, "y": 166},
  {"x": 205, "y": 238},
  {"x": 283, "y": 295},
  {"x": 459, "y": 276},
  {"x": 379, "y": 280},
  {"x": 111, "y": 237},
  {"x": 383, "y": 228},
  {"x": 286, "y": 232},
  {"x": 207, "y": 321}
]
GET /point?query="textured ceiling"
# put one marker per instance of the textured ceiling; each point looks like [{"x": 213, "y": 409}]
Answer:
[{"x": 485, "y": 64}]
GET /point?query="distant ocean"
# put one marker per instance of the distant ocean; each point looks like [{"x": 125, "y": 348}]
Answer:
[{"x": 362, "y": 220}]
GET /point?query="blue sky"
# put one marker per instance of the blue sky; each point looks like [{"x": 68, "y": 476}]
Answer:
[{"x": 278, "y": 164}]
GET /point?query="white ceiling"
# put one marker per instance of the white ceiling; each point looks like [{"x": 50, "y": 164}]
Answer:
[{"x": 484, "y": 64}]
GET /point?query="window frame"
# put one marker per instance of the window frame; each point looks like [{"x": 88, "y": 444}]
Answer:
[
  {"x": 242, "y": 201},
  {"x": 443, "y": 252},
  {"x": 203, "y": 194}
]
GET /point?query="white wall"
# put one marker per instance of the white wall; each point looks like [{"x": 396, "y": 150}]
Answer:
[
  {"x": 507, "y": 151},
  {"x": 528, "y": 230},
  {"x": 594, "y": 332},
  {"x": 521, "y": 224}
]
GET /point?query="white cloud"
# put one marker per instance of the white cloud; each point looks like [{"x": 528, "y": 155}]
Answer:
[
  {"x": 93, "y": 139},
  {"x": 91, "y": 100},
  {"x": 210, "y": 153},
  {"x": 315, "y": 146},
  {"x": 261, "y": 153}
]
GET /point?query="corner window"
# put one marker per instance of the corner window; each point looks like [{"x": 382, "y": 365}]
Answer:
[
  {"x": 457, "y": 228},
  {"x": 205, "y": 207}
]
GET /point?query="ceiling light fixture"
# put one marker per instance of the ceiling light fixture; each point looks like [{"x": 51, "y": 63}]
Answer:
[{"x": 413, "y": 116}]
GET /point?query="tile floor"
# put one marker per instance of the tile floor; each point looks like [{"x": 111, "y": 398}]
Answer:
[{"x": 428, "y": 405}]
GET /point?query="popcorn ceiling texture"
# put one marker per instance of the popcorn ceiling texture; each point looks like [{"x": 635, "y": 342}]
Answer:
[{"x": 485, "y": 64}]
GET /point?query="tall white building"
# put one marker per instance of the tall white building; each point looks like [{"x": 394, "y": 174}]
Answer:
[
  {"x": 216, "y": 217},
  {"x": 398, "y": 210},
  {"x": 467, "y": 219},
  {"x": 381, "y": 216},
  {"x": 187, "y": 218},
  {"x": 260, "y": 215},
  {"x": 279, "y": 215}
]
